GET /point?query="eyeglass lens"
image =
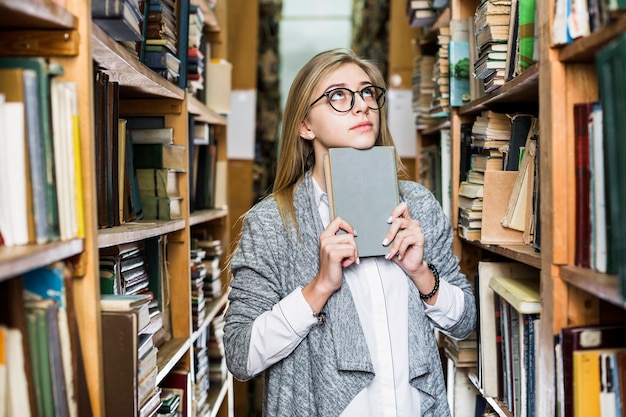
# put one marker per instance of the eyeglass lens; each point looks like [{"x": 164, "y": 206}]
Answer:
[{"x": 343, "y": 99}]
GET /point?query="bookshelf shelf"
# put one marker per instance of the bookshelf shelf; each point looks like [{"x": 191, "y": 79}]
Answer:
[
  {"x": 124, "y": 67},
  {"x": 431, "y": 130},
  {"x": 520, "y": 253},
  {"x": 603, "y": 286},
  {"x": 521, "y": 93},
  {"x": 139, "y": 230},
  {"x": 19, "y": 259},
  {"x": 203, "y": 113},
  {"x": 169, "y": 354},
  {"x": 35, "y": 14},
  {"x": 204, "y": 216},
  {"x": 584, "y": 49}
]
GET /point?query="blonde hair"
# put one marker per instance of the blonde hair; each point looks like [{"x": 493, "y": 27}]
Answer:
[{"x": 296, "y": 155}]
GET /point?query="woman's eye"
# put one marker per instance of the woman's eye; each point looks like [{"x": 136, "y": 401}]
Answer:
[
  {"x": 368, "y": 92},
  {"x": 337, "y": 95}
]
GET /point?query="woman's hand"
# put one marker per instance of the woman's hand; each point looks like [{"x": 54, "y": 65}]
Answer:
[
  {"x": 337, "y": 251},
  {"x": 407, "y": 248}
]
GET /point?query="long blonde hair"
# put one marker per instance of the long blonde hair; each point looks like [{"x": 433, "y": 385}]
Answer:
[{"x": 296, "y": 155}]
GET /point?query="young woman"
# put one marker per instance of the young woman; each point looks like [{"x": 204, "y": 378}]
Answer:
[{"x": 337, "y": 334}]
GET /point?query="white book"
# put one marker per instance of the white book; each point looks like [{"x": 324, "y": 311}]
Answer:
[
  {"x": 17, "y": 397},
  {"x": 13, "y": 142},
  {"x": 598, "y": 201},
  {"x": 608, "y": 400}
]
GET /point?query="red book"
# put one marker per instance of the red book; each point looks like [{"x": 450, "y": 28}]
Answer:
[{"x": 582, "y": 256}]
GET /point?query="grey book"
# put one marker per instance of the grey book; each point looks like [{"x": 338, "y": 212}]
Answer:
[{"x": 362, "y": 188}]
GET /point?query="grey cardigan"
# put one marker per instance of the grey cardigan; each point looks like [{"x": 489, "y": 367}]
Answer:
[{"x": 332, "y": 364}]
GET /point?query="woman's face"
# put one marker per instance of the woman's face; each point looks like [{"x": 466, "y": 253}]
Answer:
[{"x": 329, "y": 128}]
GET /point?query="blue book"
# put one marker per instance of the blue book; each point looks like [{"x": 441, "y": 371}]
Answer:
[{"x": 458, "y": 57}]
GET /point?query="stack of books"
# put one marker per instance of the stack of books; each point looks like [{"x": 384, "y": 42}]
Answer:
[
  {"x": 158, "y": 161},
  {"x": 440, "y": 105},
  {"x": 161, "y": 36},
  {"x": 464, "y": 353},
  {"x": 421, "y": 13},
  {"x": 211, "y": 261},
  {"x": 217, "y": 361},
  {"x": 491, "y": 31},
  {"x": 196, "y": 52},
  {"x": 123, "y": 269},
  {"x": 198, "y": 301},
  {"x": 470, "y": 210},
  {"x": 202, "y": 381},
  {"x": 423, "y": 90},
  {"x": 120, "y": 19}
]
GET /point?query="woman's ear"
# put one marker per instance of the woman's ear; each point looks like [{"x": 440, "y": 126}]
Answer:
[{"x": 305, "y": 132}]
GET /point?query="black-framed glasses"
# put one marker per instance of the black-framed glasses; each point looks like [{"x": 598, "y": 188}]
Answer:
[{"x": 342, "y": 99}]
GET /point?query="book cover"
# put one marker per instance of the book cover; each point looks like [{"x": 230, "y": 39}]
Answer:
[
  {"x": 157, "y": 182},
  {"x": 458, "y": 57},
  {"x": 120, "y": 362},
  {"x": 609, "y": 64},
  {"x": 597, "y": 190},
  {"x": 159, "y": 156},
  {"x": 586, "y": 383},
  {"x": 522, "y": 294},
  {"x": 361, "y": 195},
  {"x": 583, "y": 184},
  {"x": 152, "y": 135},
  {"x": 498, "y": 187}
]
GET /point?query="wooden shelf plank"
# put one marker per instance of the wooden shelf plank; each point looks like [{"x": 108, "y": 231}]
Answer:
[
  {"x": 584, "y": 49},
  {"x": 35, "y": 14},
  {"x": 141, "y": 230},
  {"x": 203, "y": 216},
  {"x": 605, "y": 287},
  {"x": 520, "y": 252},
  {"x": 169, "y": 354},
  {"x": 16, "y": 260},
  {"x": 521, "y": 94},
  {"x": 203, "y": 113},
  {"x": 123, "y": 67}
]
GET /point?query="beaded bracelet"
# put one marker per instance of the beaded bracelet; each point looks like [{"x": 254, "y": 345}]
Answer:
[{"x": 434, "y": 291}]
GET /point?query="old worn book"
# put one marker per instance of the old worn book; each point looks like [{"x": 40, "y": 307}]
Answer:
[
  {"x": 496, "y": 195},
  {"x": 522, "y": 294},
  {"x": 362, "y": 188},
  {"x": 159, "y": 156}
]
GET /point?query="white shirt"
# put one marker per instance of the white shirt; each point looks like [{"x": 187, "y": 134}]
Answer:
[{"x": 379, "y": 288}]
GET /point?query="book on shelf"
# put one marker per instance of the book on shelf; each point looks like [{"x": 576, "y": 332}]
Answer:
[
  {"x": 152, "y": 155},
  {"x": 609, "y": 64},
  {"x": 361, "y": 196},
  {"x": 157, "y": 182},
  {"x": 522, "y": 294},
  {"x": 48, "y": 302},
  {"x": 489, "y": 334},
  {"x": 598, "y": 231},
  {"x": 180, "y": 379},
  {"x": 45, "y": 72},
  {"x": 521, "y": 124},
  {"x": 520, "y": 205},
  {"x": 498, "y": 187},
  {"x": 487, "y": 160},
  {"x": 578, "y": 339},
  {"x": 162, "y": 208},
  {"x": 581, "y": 113},
  {"x": 470, "y": 189},
  {"x": 160, "y": 135},
  {"x": 120, "y": 19},
  {"x": 14, "y": 390},
  {"x": 527, "y": 36}
]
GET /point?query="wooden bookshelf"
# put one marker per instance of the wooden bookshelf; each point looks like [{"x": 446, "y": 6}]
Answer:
[
  {"x": 563, "y": 76},
  {"x": 67, "y": 36}
]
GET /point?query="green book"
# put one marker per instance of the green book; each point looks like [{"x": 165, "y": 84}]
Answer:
[
  {"x": 610, "y": 62},
  {"x": 362, "y": 188},
  {"x": 526, "y": 34},
  {"x": 159, "y": 156}
]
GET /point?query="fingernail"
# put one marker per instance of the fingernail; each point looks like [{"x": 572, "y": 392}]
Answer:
[
  {"x": 358, "y": 261},
  {"x": 385, "y": 242},
  {"x": 389, "y": 219},
  {"x": 399, "y": 257},
  {"x": 388, "y": 256},
  {"x": 355, "y": 234}
]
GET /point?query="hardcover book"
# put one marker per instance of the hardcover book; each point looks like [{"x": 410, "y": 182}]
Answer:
[{"x": 362, "y": 188}]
